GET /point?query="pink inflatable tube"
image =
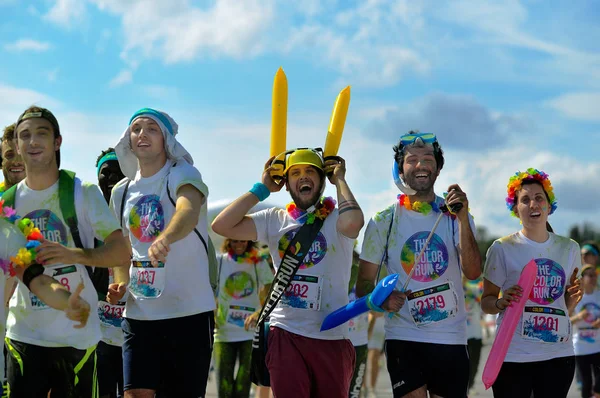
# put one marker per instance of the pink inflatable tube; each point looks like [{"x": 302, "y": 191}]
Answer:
[{"x": 507, "y": 328}]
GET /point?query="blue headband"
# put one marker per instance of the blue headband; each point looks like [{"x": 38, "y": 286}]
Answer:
[
  {"x": 156, "y": 114},
  {"x": 591, "y": 249},
  {"x": 109, "y": 156}
]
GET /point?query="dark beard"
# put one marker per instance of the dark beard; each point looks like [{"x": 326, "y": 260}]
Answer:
[
  {"x": 422, "y": 188},
  {"x": 305, "y": 204}
]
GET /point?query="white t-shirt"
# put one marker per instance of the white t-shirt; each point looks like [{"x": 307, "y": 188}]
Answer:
[
  {"x": 435, "y": 312},
  {"x": 32, "y": 321},
  {"x": 544, "y": 330},
  {"x": 473, "y": 291},
  {"x": 239, "y": 284},
  {"x": 181, "y": 286},
  {"x": 111, "y": 316},
  {"x": 320, "y": 285},
  {"x": 586, "y": 340},
  {"x": 358, "y": 327}
]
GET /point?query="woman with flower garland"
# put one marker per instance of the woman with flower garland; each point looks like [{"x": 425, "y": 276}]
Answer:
[
  {"x": 241, "y": 271},
  {"x": 303, "y": 361},
  {"x": 540, "y": 358}
]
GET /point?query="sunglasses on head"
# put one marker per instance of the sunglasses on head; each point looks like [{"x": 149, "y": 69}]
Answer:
[{"x": 428, "y": 138}]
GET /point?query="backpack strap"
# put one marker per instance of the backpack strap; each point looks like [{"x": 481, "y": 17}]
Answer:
[
  {"x": 9, "y": 196},
  {"x": 66, "y": 198},
  {"x": 123, "y": 202}
]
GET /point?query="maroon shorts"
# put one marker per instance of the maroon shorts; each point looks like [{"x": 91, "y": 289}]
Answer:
[{"x": 305, "y": 367}]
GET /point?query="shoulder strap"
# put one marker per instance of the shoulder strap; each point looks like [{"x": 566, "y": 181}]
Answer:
[
  {"x": 384, "y": 257},
  {"x": 219, "y": 275},
  {"x": 195, "y": 230},
  {"x": 66, "y": 199},
  {"x": 9, "y": 196},
  {"x": 290, "y": 263},
  {"x": 122, "y": 210},
  {"x": 256, "y": 275},
  {"x": 212, "y": 266}
]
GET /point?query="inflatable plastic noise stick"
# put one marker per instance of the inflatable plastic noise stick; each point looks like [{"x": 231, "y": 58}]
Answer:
[
  {"x": 337, "y": 123},
  {"x": 279, "y": 122},
  {"x": 507, "y": 328},
  {"x": 370, "y": 302}
]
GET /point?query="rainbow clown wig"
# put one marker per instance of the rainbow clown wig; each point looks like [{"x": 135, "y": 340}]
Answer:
[{"x": 515, "y": 183}]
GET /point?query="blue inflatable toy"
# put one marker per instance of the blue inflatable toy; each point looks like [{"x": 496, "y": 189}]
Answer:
[{"x": 371, "y": 302}]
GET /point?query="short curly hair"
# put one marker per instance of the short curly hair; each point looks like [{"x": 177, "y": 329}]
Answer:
[{"x": 400, "y": 151}]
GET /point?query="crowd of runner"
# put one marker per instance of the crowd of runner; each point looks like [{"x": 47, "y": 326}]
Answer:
[{"x": 115, "y": 289}]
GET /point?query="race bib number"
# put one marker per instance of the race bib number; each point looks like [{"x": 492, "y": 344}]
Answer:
[
  {"x": 237, "y": 314},
  {"x": 587, "y": 334},
  {"x": 304, "y": 292},
  {"x": 68, "y": 276},
  {"x": 111, "y": 315},
  {"x": 434, "y": 304},
  {"x": 545, "y": 324},
  {"x": 147, "y": 281}
]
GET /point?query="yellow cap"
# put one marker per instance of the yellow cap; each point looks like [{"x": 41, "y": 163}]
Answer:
[{"x": 303, "y": 156}]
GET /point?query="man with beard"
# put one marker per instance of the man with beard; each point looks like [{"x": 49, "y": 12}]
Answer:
[
  {"x": 11, "y": 162},
  {"x": 426, "y": 340},
  {"x": 303, "y": 361}
]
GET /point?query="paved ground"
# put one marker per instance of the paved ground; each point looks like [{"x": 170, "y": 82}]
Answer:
[{"x": 384, "y": 388}]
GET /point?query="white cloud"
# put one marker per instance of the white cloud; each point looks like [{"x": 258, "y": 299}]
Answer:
[
  {"x": 580, "y": 106},
  {"x": 66, "y": 13},
  {"x": 28, "y": 45},
  {"x": 14, "y": 100},
  {"x": 365, "y": 45},
  {"x": 177, "y": 31},
  {"x": 123, "y": 77}
]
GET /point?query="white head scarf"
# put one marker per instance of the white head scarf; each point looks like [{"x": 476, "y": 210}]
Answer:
[{"x": 175, "y": 151}]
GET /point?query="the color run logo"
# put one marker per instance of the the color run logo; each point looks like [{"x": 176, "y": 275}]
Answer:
[
  {"x": 49, "y": 225},
  {"x": 146, "y": 219},
  {"x": 316, "y": 253},
  {"x": 239, "y": 285},
  {"x": 549, "y": 282},
  {"x": 434, "y": 261},
  {"x": 593, "y": 312}
]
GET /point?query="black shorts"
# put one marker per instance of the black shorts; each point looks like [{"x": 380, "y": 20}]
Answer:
[
  {"x": 169, "y": 356},
  {"x": 34, "y": 370},
  {"x": 110, "y": 370},
  {"x": 548, "y": 379},
  {"x": 443, "y": 368}
]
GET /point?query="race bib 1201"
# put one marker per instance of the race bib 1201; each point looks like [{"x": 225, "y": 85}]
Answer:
[
  {"x": 434, "y": 304},
  {"x": 303, "y": 292},
  {"x": 147, "y": 281},
  {"x": 68, "y": 276},
  {"x": 545, "y": 324}
]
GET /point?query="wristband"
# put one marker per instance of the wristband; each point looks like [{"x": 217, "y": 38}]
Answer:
[
  {"x": 501, "y": 309},
  {"x": 260, "y": 190},
  {"x": 372, "y": 305},
  {"x": 33, "y": 271}
]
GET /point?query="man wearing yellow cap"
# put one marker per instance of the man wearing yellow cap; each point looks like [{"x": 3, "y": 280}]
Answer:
[{"x": 303, "y": 361}]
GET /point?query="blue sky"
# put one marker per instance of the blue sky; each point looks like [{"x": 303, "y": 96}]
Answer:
[{"x": 505, "y": 85}]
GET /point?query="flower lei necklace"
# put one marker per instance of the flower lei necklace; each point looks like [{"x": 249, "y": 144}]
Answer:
[
  {"x": 26, "y": 255},
  {"x": 323, "y": 209},
  {"x": 2, "y": 187},
  {"x": 251, "y": 256},
  {"x": 420, "y": 207}
]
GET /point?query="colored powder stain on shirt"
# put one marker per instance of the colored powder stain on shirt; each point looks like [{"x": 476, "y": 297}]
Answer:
[{"x": 294, "y": 301}]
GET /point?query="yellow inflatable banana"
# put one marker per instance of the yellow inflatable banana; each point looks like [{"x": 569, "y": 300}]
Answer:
[
  {"x": 279, "y": 123},
  {"x": 337, "y": 123}
]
